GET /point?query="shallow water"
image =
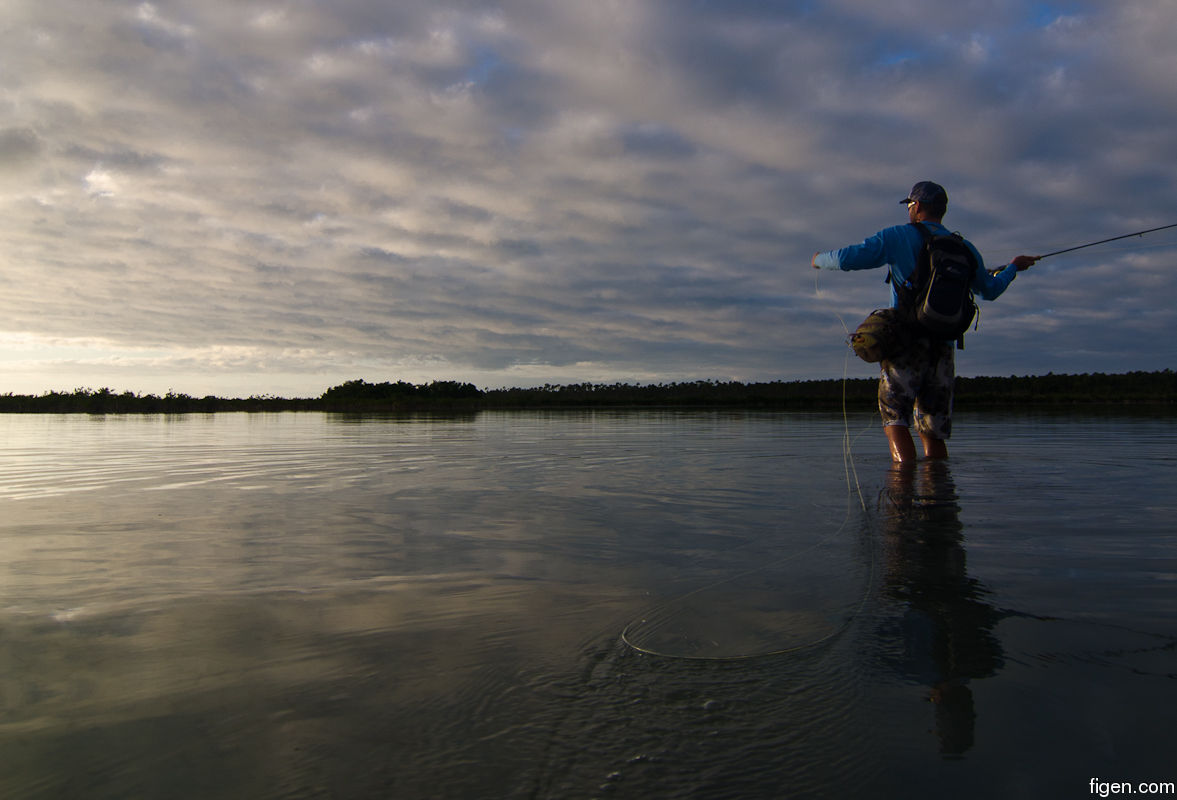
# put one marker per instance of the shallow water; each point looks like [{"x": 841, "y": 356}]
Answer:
[{"x": 586, "y": 604}]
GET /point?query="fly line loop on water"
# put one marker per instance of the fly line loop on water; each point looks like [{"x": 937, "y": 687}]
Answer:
[{"x": 679, "y": 628}]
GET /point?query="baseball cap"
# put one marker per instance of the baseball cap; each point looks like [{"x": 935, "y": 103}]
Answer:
[{"x": 927, "y": 192}]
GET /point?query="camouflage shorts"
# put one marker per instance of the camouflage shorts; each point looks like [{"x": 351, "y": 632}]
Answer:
[{"x": 918, "y": 383}]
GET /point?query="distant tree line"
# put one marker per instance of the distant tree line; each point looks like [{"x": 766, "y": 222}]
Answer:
[
  {"x": 106, "y": 401},
  {"x": 359, "y": 396},
  {"x": 693, "y": 394},
  {"x": 1095, "y": 388}
]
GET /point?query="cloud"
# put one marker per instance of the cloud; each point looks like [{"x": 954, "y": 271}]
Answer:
[
  {"x": 19, "y": 149},
  {"x": 563, "y": 190}
]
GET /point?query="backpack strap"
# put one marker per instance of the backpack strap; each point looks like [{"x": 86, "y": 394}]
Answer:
[
  {"x": 927, "y": 236},
  {"x": 907, "y": 290}
]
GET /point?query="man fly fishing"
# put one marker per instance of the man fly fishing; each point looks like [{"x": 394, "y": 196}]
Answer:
[{"x": 933, "y": 275}]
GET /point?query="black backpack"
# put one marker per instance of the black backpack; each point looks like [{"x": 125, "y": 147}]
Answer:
[{"x": 938, "y": 296}]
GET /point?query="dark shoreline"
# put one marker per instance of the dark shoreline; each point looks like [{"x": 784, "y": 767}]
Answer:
[{"x": 1133, "y": 390}]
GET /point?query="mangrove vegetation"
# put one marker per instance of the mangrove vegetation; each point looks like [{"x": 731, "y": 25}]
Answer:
[{"x": 359, "y": 396}]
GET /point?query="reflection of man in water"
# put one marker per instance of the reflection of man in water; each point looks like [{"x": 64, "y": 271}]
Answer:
[{"x": 947, "y": 629}]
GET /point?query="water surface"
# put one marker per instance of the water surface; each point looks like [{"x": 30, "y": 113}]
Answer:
[{"x": 582, "y": 604}]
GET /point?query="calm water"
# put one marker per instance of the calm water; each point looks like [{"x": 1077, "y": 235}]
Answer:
[{"x": 579, "y": 605}]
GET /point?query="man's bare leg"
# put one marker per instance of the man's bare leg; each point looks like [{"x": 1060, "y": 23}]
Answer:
[
  {"x": 902, "y": 446},
  {"x": 934, "y": 448}
]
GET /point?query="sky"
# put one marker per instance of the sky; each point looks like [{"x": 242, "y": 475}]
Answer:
[{"x": 272, "y": 198}]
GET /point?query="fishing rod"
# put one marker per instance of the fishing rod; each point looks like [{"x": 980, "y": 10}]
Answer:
[{"x": 1105, "y": 241}]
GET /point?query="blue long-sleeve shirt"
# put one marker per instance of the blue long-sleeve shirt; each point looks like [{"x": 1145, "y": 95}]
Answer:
[{"x": 897, "y": 247}]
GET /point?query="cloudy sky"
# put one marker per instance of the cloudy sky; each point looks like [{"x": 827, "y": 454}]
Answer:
[{"x": 272, "y": 197}]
